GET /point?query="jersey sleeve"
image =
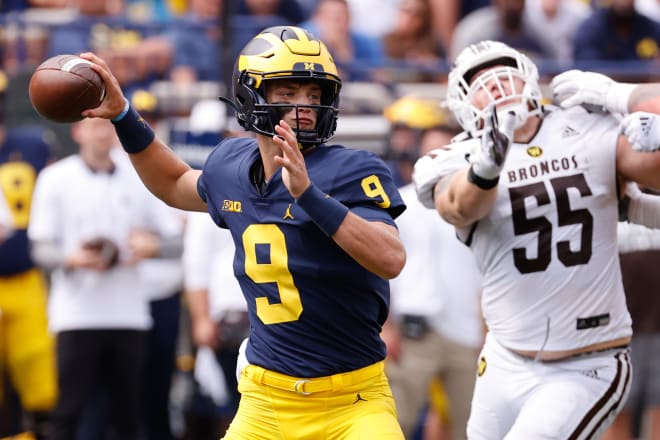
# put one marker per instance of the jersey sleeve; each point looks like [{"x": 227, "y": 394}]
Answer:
[
  {"x": 437, "y": 164},
  {"x": 364, "y": 183},
  {"x": 44, "y": 221}
]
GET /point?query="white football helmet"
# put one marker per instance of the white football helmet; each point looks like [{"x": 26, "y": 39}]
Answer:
[{"x": 507, "y": 64}]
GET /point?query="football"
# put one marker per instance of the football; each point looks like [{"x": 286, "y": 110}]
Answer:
[
  {"x": 63, "y": 86},
  {"x": 106, "y": 249}
]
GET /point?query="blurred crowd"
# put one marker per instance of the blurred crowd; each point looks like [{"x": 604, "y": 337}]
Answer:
[
  {"x": 185, "y": 42},
  {"x": 173, "y": 58}
]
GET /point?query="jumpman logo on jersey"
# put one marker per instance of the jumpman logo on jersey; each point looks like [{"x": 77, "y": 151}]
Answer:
[
  {"x": 359, "y": 398},
  {"x": 287, "y": 214}
]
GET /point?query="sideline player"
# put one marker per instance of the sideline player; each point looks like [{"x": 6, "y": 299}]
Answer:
[{"x": 27, "y": 353}]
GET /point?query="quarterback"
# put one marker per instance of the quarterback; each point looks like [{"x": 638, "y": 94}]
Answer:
[
  {"x": 534, "y": 190},
  {"x": 313, "y": 225}
]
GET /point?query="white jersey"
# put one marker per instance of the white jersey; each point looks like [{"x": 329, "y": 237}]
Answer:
[
  {"x": 71, "y": 204},
  {"x": 548, "y": 248},
  {"x": 447, "y": 293},
  {"x": 161, "y": 277},
  {"x": 208, "y": 261}
]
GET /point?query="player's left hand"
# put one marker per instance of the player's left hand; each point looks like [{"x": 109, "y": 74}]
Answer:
[
  {"x": 642, "y": 130},
  {"x": 575, "y": 87},
  {"x": 294, "y": 171}
]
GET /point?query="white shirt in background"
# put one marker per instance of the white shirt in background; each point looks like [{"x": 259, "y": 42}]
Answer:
[
  {"x": 208, "y": 261},
  {"x": 440, "y": 280},
  {"x": 71, "y": 204}
]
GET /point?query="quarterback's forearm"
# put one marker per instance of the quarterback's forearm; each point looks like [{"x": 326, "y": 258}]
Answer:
[
  {"x": 374, "y": 245},
  {"x": 168, "y": 177},
  {"x": 461, "y": 202}
]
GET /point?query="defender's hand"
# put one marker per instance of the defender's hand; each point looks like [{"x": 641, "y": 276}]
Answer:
[
  {"x": 575, "y": 87},
  {"x": 642, "y": 130},
  {"x": 495, "y": 142}
]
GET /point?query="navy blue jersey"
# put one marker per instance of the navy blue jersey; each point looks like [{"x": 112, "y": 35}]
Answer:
[
  {"x": 314, "y": 310},
  {"x": 23, "y": 154}
]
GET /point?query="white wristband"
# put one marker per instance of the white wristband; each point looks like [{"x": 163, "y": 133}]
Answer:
[
  {"x": 643, "y": 209},
  {"x": 485, "y": 168},
  {"x": 618, "y": 96}
]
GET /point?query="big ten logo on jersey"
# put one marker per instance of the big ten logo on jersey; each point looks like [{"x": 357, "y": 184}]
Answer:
[{"x": 232, "y": 206}]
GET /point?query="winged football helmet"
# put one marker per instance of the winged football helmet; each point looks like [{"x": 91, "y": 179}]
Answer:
[
  {"x": 285, "y": 52},
  {"x": 466, "y": 79},
  {"x": 416, "y": 113}
]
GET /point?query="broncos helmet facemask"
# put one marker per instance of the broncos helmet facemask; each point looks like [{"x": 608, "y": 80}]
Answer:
[
  {"x": 292, "y": 53},
  {"x": 507, "y": 64}
]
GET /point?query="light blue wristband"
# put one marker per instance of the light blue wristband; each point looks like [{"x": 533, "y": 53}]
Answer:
[{"x": 121, "y": 115}]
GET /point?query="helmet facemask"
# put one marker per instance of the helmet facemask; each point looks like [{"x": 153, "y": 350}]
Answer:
[
  {"x": 500, "y": 85},
  {"x": 306, "y": 59},
  {"x": 506, "y": 70}
]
